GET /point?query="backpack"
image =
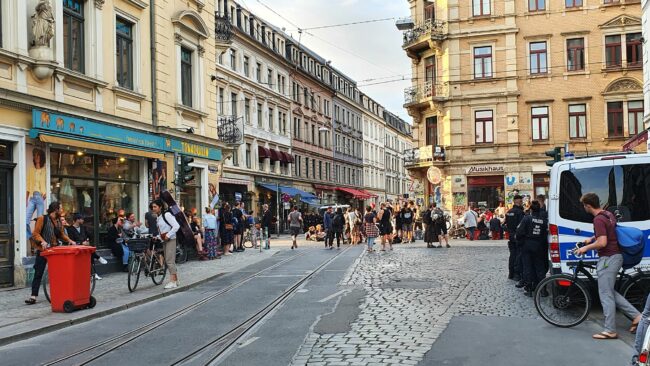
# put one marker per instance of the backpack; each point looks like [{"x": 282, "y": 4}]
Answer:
[
  {"x": 632, "y": 243},
  {"x": 337, "y": 222}
]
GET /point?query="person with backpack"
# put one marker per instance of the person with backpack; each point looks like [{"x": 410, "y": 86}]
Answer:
[
  {"x": 439, "y": 225},
  {"x": 407, "y": 224},
  {"x": 532, "y": 232},
  {"x": 295, "y": 226},
  {"x": 167, "y": 227},
  {"x": 610, "y": 261},
  {"x": 338, "y": 223}
]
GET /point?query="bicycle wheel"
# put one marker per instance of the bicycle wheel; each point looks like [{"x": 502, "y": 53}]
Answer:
[
  {"x": 135, "y": 266},
  {"x": 636, "y": 290},
  {"x": 158, "y": 272},
  {"x": 92, "y": 279},
  {"x": 562, "y": 301},
  {"x": 46, "y": 284},
  {"x": 181, "y": 253}
]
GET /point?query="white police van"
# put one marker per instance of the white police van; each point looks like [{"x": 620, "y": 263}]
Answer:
[{"x": 622, "y": 181}]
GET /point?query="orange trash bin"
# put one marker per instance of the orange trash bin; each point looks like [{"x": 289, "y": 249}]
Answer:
[{"x": 69, "y": 272}]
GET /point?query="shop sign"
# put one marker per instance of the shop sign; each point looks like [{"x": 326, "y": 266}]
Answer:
[
  {"x": 478, "y": 169},
  {"x": 66, "y": 126},
  {"x": 434, "y": 175}
]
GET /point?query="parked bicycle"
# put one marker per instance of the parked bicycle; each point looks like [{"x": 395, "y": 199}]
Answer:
[
  {"x": 146, "y": 254},
  {"x": 182, "y": 253},
  {"x": 456, "y": 231},
  {"x": 565, "y": 300}
]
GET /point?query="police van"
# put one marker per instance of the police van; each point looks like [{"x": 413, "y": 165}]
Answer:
[{"x": 622, "y": 181}]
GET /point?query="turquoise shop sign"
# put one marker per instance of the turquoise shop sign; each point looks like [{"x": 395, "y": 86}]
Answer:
[{"x": 81, "y": 129}]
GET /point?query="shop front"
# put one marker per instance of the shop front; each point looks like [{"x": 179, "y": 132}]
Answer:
[
  {"x": 485, "y": 191},
  {"x": 281, "y": 196},
  {"x": 541, "y": 183},
  {"x": 236, "y": 188}
]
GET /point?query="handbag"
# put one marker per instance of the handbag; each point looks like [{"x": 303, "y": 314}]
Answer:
[{"x": 229, "y": 227}]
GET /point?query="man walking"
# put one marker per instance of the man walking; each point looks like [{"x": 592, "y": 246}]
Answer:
[
  {"x": 327, "y": 225},
  {"x": 295, "y": 225},
  {"x": 267, "y": 221},
  {"x": 610, "y": 261},
  {"x": 513, "y": 219},
  {"x": 532, "y": 232},
  {"x": 471, "y": 221},
  {"x": 167, "y": 226}
]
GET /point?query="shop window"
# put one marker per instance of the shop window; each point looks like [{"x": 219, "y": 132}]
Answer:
[
  {"x": 635, "y": 117},
  {"x": 577, "y": 121},
  {"x": 613, "y": 51},
  {"x": 575, "y": 54},
  {"x": 98, "y": 187},
  {"x": 615, "y": 119},
  {"x": 124, "y": 53},
  {"x": 539, "y": 119},
  {"x": 191, "y": 192},
  {"x": 186, "y": 77},
  {"x": 538, "y": 58},
  {"x": 484, "y": 127},
  {"x": 73, "y": 35},
  {"x": 483, "y": 62},
  {"x": 634, "y": 48}
]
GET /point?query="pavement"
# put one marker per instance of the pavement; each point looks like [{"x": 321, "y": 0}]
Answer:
[{"x": 19, "y": 321}]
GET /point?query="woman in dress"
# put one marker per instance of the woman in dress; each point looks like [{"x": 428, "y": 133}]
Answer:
[
  {"x": 210, "y": 229},
  {"x": 430, "y": 232},
  {"x": 227, "y": 233}
]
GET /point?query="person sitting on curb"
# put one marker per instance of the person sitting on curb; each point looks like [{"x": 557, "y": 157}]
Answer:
[
  {"x": 47, "y": 233},
  {"x": 77, "y": 232}
]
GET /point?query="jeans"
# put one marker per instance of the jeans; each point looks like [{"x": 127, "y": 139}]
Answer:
[
  {"x": 607, "y": 270},
  {"x": 125, "y": 255},
  {"x": 471, "y": 231},
  {"x": 39, "y": 269},
  {"x": 642, "y": 328},
  {"x": 35, "y": 204},
  {"x": 371, "y": 243},
  {"x": 265, "y": 238}
]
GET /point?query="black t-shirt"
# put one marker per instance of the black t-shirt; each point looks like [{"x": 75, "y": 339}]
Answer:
[{"x": 152, "y": 223}]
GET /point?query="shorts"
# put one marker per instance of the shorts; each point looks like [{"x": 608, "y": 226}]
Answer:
[
  {"x": 385, "y": 230},
  {"x": 407, "y": 227},
  {"x": 443, "y": 228},
  {"x": 294, "y": 230}
]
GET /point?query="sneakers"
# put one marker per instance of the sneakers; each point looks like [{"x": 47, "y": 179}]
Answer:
[
  {"x": 171, "y": 284},
  {"x": 520, "y": 284},
  {"x": 448, "y": 246},
  {"x": 102, "y": 260},
  {"x": 97, "y": 277}
]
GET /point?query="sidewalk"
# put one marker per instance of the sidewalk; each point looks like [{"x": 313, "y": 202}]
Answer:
[{"x": 19, "y": 321}]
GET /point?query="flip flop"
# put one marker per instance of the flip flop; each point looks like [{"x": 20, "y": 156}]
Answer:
[
  {"x": 635, "y": 325},
  {"x": 604, "y": 336}
]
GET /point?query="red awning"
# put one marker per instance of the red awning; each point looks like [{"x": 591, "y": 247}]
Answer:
[
  {"x": 263, "y": 152},
  {"x": 354, "y": 192},
  {"x": 371, "y": 195},
  {"x": 283, "y": 157},
  {"x": 275, "y": 155},
  {"x": 635, "y": 141},
  {"x": 289, "y": 158}
]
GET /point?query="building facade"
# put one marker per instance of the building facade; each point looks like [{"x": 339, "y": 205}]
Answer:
[
  {"x": 398, "y": 141},
  {"x": 374, "y": 128},
  {"x": 498, "y": 83},
  {"x": 87, "y": 120}
]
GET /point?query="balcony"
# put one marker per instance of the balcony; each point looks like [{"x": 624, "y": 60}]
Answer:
[
  {"x": 425, "y": 156},
  {"x": 417, "y": 39},
  {"x": 425, "y": 93}
]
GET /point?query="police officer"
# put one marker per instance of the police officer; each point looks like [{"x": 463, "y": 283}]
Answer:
[
  {"x": 513, "y": 218},
  {"x": 532, "y": 234}
]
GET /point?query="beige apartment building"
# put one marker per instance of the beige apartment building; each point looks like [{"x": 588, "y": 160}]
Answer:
[
  {"x": 89, "y": 120},
  {"x": 498, "y": 83}
]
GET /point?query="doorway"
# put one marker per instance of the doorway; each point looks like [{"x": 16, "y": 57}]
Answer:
[{"x": 6, "y": 226}]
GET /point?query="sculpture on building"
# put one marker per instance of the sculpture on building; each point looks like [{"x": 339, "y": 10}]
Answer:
[{"x": 43, "y": 24}]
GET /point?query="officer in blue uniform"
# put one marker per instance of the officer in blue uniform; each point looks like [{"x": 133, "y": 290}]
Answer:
[
  {"x": 513, "y": 218},
  {"x": 532, "y": 233}
]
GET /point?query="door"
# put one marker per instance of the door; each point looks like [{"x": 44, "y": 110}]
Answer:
[{"x": 6, "y": 228}]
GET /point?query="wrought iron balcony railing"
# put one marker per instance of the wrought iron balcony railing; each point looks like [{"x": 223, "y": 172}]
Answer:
[
  {"x": 436, "y": 29},
  {"x": 429, "y": 89}
]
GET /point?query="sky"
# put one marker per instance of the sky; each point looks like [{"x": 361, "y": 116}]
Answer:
[{"x": 368, "y": 53}]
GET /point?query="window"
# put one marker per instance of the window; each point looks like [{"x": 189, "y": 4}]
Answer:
[
  {"x": 248, "y": 156},
  {"x": 235, "y": 157},
  {"x": 483, "y": 62},
  {"x": 313, "y": 134},
  {"x": 233, "y": 60},
  {"x": 539, "y": 118},
  {"x": 577, "y": 121},
  {"x": 573, "y": 3},
  {"x": 634, "y": 49},
  {"x": 575, "y": 49},
  {"x": 247, "y": 111},
  {"x": 271, "y": 118},
  {"x": 124, "y": 53},
  {"x": 258, "y": 72},
  {"x": 613, "y": 51},
  {"x": 306, "y": 167},
  {"x": 259, "y": 115},
  {"x": 538, "y": 60},
  {"x": 233, "y": 104},
  {"x": 480, "y": 7},
  {"x": 73, "y": 35},
  {"x": 484, "y": 125},
  {"x": 635, "y": 117},
  {"x": 296, "y": 128},
  {"x": 221, "y": 100},
  {"x": 615, "y": 119},
  {"x": 269, "y": 78},
  {"x": 430, "y": 12},
  {"x": 432, "y": 131},
  {"x": 618, "y": 186},
  {"x": 247, "y": 66},
  {"x": 186, "y": 76},
  {"x": 536, "y": 5},
  {"x": 430, "y": 69}
]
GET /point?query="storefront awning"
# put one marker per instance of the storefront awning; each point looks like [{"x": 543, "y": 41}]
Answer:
[
  {"x": 304, "y": 196},
  {"x": 263, "y": 152},
  {"x": 324, "y": 188},
  {"x": 284, "y": 157},
  {"x": 354, "y": 192},
  {"x": 275, "y": 155},
  {"x": 635, "y": 141},
  {"x": 103, "y": 147},
  {"x": 371, "y": 195}
]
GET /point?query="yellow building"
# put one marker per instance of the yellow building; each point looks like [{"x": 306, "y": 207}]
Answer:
[
  {"x": 87, "y": 121},
  {"x": 498, "y": 83}
]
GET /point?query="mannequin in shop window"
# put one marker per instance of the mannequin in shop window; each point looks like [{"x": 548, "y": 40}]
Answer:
[{"x": 36, "y": 187}]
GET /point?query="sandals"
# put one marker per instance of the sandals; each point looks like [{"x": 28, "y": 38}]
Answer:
[
  {"x": 604, "y": 336},
  {"x": 635, "y": 325},
  {"x": 30, "y": 301}
]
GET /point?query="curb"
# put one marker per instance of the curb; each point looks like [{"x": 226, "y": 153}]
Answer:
[{"x": 64, "y": 324}]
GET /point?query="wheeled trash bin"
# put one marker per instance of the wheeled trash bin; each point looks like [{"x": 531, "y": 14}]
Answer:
[{"x": 69, "y": 271}]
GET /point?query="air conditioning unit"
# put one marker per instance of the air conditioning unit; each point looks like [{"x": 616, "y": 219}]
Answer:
[{"x": 405, "y": 24}]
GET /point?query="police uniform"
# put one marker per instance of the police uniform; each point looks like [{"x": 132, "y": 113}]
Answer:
[
  {"x": 532, "y": 233},
  {"x": 513, "y": 218}
]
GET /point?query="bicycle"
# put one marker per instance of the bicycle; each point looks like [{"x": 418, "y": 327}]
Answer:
[
  {"x": 249, "y": 240},
  {"x": 456, "y": 231},
  {"x": 148, "y": 255},
  {"x": 569, "y": 295},
  {"x": 181, "y": 253}
]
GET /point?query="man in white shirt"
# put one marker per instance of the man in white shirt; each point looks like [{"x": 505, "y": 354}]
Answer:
[
  {"x": 167, "y": 227},
  {"x": 471, "y": 221}
]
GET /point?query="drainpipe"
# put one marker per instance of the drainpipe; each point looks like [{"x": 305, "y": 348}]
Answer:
[{"x": 152, "y": 37}]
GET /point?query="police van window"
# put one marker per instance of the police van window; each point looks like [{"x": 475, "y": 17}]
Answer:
[{"x": 623, "y": 190}]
